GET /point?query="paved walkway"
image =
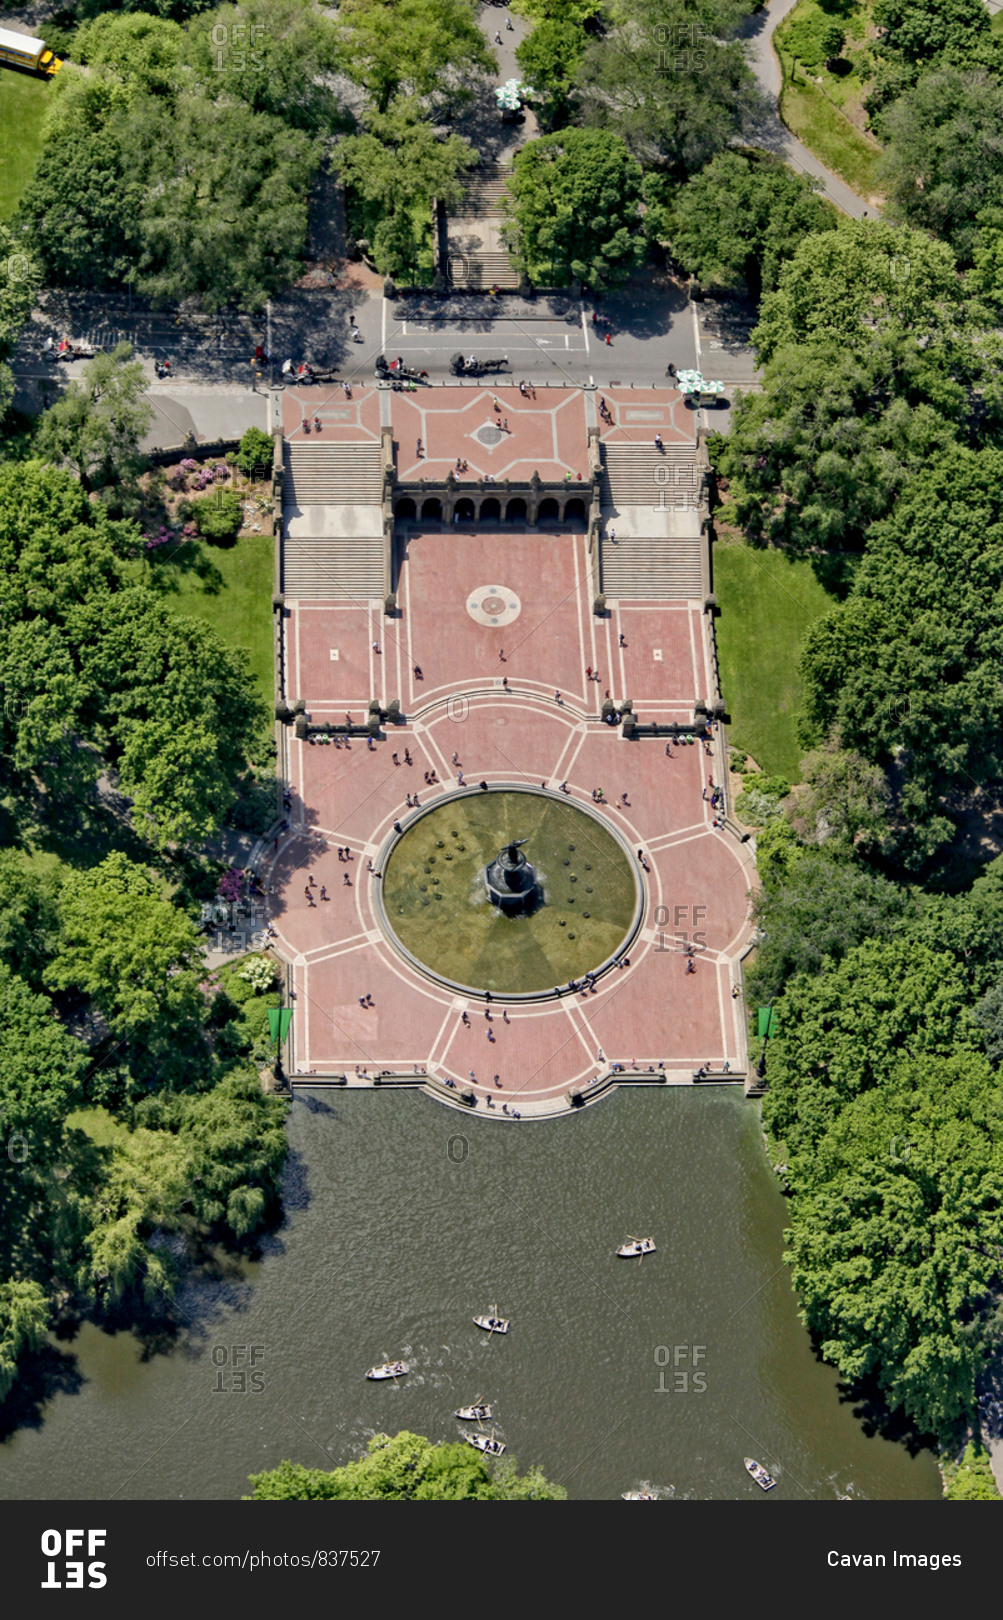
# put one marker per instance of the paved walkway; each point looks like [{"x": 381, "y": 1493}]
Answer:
[{"x": 773, "y": 135}]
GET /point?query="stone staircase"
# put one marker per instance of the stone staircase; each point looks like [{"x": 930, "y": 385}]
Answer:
[
  {"x": 650, "y": 499},
  {"x": 332, "y": 546},
  {"x": 637, "y": 474},
  {"x": 641, "y": 568},
  {"x": 475, "y": 249},
  {"x": 318, "y": 474}
]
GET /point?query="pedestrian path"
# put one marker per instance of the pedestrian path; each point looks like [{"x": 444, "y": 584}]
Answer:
[{"x": 772, "y": 134}]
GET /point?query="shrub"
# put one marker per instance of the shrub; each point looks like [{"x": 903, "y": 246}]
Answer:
[
  {"x": 760, "y": 799},
  {"x": 255, "y": 452},
  {"x": 258, "y": 972},
  {"x": 219, "y": 516}
]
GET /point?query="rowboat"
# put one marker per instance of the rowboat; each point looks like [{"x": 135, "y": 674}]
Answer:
[
  {"x": 477, "y": 1412},
  {"x": 759, "y": 1474},
  {"x": 637, "y": 1496},
  {"x": 389, "y": 1369},
  {"x": 491, "y": 1322},
  {"x": 486, "y": 1443},
  {"x": 635, "y": 1247}
]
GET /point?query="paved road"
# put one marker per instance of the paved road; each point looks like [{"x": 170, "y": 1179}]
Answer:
[{"x": 772, "y": 134}]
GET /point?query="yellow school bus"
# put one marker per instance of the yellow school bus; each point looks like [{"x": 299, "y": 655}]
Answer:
[{"x": 20, "y": 51}]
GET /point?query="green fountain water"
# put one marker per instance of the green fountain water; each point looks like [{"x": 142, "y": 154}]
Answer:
[{"x": 436, "y": 902}]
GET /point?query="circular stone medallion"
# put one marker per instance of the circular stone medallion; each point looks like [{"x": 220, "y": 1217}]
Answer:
[{"x": 493, "y": 604}]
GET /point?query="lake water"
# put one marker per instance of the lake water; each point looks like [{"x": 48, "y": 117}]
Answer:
[{"x": 405, "y": 1220}]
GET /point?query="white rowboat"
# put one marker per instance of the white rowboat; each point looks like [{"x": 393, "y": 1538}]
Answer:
[
  {"x": 389, "y": 1369},
  {"x": 491, "y": 1322},
  {"x": 486, "y": 1443},
  {"x": 759, "y": 1474},
  {"x": 633, "y": 1249}
]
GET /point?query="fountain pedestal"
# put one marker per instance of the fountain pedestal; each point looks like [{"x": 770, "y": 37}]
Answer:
[{"x": 511, "y": 881}]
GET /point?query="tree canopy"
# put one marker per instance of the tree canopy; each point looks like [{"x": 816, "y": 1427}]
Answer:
[
  {"x": 738, "y": 221},
  {"x": 942, "y": 166},
  {"x": 393, "y": 171},
  {"x": 405, "y": 1468},
  {"x": 908, "y": 667},
  {"x": 891, "y": 1146},
  {"x": 95, "y": 426},
  {"x": 575, "y": 210},
  {"x": 671, "y": 80},
  {"x": 414, "y": 47}
]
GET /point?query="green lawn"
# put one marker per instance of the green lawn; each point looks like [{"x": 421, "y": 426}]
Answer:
[
  {"x": 231, "y": 589},
  {"x": 767, "y": 600},
  {"x": 22, "y": 107},
  {"x": 833, "y": 139}
]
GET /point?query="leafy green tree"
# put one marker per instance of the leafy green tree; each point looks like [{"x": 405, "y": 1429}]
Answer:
[
  {"x": 392, "y": 171},
  {"x": 141, "y": 1187},
  {"x": 57, "y": 548},
  {"x": 81, "y": 209},
  {"x": 825, "y": 448},
  {"x": 255, "y": 453},
  {"x": 548, "y": 58},
  {"x": 180, "y": 710},
  {"x": 405, "y": 1468},
  {"x": 235, "y": 1144},
  {"x": 135, "y": 46},
  {"x": 819, "y": 907},
  {"x": 275, "y": 55},
  {"x": 95, "y": 427},
  {"x": 417, "y": 48},
  {"x": 226, "y": 201},
  {"x": 894, "y": 1246},
  {"x": 943, "y": 160},
  {"x": 741, "y": 218},
  {"x": 41, "y": 1076},
  {"x": 988, "y": 1014},
  {"x": 871, "y": 370},
  {"x": 28, "y": 916},
  {"x": 20, "y": 279},
  {"x": 574, "y": 209},
  {"x": 908, "y": 666},
  {"x": 540, "y": 12},
  {"x": 832, "y": 38},
  {"x": 984, "y": 280},
  {"x": 853, "y": 284},
  {"x": 910, "y": 1001},
  {"x": 971, "y": 1478},
  {"x": 24, "y": 1319},
  {"x": 845, "y": 803},
  {"x": 671, "y": 80},
  {"x": 917, "y": 35},
  {"x": 121, "y": 943}
]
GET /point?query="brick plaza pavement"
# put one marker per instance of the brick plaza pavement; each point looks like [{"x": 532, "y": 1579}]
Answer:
[{"x": 651, "y": 1012}]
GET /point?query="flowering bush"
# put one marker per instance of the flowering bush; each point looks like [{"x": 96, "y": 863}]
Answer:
[
  {"x": 188, "y": 465},
  {"x": 161, "y": 539},
  {"x": 231, "y": 884},
  {"x": 259, "y": 973},
  {"x": 210, "y": 475}
]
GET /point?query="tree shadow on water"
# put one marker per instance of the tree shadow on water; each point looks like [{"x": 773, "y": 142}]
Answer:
[
  {"x": 872, "y": 1412},
  {"x": 42, "y": 1375}
]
